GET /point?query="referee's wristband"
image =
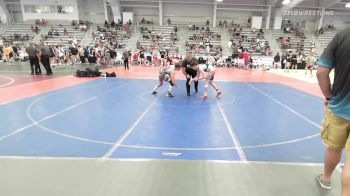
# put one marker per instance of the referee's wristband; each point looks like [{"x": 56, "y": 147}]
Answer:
[{"x": 327, "y": 98}]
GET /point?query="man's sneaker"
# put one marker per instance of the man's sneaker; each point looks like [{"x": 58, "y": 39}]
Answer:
[
  {"x": 218, "y": 93},
  {"x": 323, "y": 183},
  {"x": 188, "y": 94},
  {"x": 203, "y": 97},
  {"x": 169, "y": 95},
  {"x": 153, "y": 92}
]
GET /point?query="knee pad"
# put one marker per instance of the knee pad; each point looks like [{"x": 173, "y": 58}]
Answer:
[{"x": 171, "y": 83}]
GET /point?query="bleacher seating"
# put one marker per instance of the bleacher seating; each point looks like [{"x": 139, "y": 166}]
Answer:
[
  {"x": 64, "y": 39},
  {"x": 294, "y": 41},
  {"x": 165, "y": 42},
  {"x": 200, "y": 37},
  {"x": 248, "y": 35},
  {"x": 23, "y": 30},
  {"x": 118, "y": 34},
  {"x": 326, "y": 37}
]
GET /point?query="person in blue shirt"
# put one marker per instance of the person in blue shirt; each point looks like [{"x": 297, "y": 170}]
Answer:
[{"x": 336, "y": 123}]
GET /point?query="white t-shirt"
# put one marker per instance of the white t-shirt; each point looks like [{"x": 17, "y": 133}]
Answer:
[{"x": 60, "y": 52}]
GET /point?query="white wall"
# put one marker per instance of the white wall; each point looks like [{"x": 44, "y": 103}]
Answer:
[
  {"x": 150, "y": 13},
  {"x": 338, "y": 22},
  {"x": 91, "y": 10},
  {"x": 50, "y": 16},
  {"x": 257, "y": 22},
  {"x": 185, "y": 13},
  {"x": 4, "y": 15},
  {"x": 238, "y": 17},
  {"x": 116, "y": 9}
]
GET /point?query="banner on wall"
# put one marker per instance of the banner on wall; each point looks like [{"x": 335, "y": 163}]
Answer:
[
  {"x": 257, "y": 22},
  {"x": 128, "y": 16},
  {"x": 278, "y": 22},
  {"x": 3, "y": 19}
]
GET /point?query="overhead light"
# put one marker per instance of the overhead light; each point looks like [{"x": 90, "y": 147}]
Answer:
[
  {"x": 219, "y": 0},
  {"x": 286, "y": 2},
  {"x": 347, "y": 5}
]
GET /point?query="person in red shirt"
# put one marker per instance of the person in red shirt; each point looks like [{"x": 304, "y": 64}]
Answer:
[
  {"x": 135, "y": 57},
  {"x": 155, "y": 60},
  {"x": 246, "y": 57}
]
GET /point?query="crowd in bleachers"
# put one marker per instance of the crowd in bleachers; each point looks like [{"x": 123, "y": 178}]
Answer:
[
  {"x": 64, "y": 34},
  {"x": 325, "y": 28},
  {"x": 80, "y": 25},
  {"x": 293, "y": 40},
  {"x": 19, "y": 33},
  {"x": 159, "y": 42},
  {"x": 203, "y": 40},
  {"x": 115, "y": 34},
  {"x": 146, "y": 22},
  {"x": 13, "y": 53},
  {"x": 250, "y": 40},
  {"x": 155, "y": 43}
]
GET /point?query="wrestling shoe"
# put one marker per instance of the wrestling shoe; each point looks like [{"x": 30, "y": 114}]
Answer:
[
  {"x": 218, "y": 93},
  {"x": 153, "y": 92},
  {"x": 169, "y": 95},
  {"x": 204, "y": 97}
]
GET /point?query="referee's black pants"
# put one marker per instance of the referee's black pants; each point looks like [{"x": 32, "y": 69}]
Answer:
[
  {"x": 126, "y": 63},
  {"x": 34, "y": 65},
  {"x": 192, "y": 73},
  {"x": 45, "y": 60}
]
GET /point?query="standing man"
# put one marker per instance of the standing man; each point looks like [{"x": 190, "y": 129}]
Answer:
[
  {"x": 276, "y": 60},
  {"x": 189, "y": 70},
  {"x": 44, "y": 57},
  {"x": 294, "y": 61},
  {"x": 33, "y": 54},
  {"x": 336, "y": 123},
  {"x": 126, "y": 59}
]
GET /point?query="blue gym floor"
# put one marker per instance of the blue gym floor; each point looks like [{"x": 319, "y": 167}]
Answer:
[{"x": 119, "y": 118}]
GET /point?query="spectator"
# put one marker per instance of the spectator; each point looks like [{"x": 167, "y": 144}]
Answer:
[
  {"x": 276, "y": 60},
  {"x": 126, "y": 59},
  {"x": 65, "y": 32},
  {"x": 336, "y": 123},
  {"x": 169, "y": 21}
]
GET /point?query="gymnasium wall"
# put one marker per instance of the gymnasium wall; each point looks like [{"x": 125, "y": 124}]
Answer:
[
  {"x": 4, "y": 14},
  {"x": 50, "y": 16},
  {"x": 149, "y": 13},
  {"x": 183, "y": 13},
  {"x": 91, "y": 10},
  {"x": 239, "y": 17}
]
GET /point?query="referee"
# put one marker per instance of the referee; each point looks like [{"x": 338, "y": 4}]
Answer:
[
  {"x": 44, "y": 55},
  {"x": 189, "y": 72},
  {"x": 33, "y": 59}
]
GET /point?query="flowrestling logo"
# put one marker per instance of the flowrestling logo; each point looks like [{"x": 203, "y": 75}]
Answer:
[{"x": 307, "y": 13}]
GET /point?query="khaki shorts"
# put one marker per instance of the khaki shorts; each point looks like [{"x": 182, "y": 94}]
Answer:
[
  {"x": 288, "y": 64},
  {"x": 335, "y": 132}
]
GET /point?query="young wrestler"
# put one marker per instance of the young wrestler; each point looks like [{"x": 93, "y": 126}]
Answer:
[
  {"x": 310, "y": 62},
  {"x": 207, "y": 72},
  {"x": 166, "y": 73}
]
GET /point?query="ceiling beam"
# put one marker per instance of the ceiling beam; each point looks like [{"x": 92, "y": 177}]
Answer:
[
  {"x": 242, "y": 9},
  {"x": 272, "y": 2},
  {"x": 330, "y": 3},
  {"x": 295, "y": 3}
]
